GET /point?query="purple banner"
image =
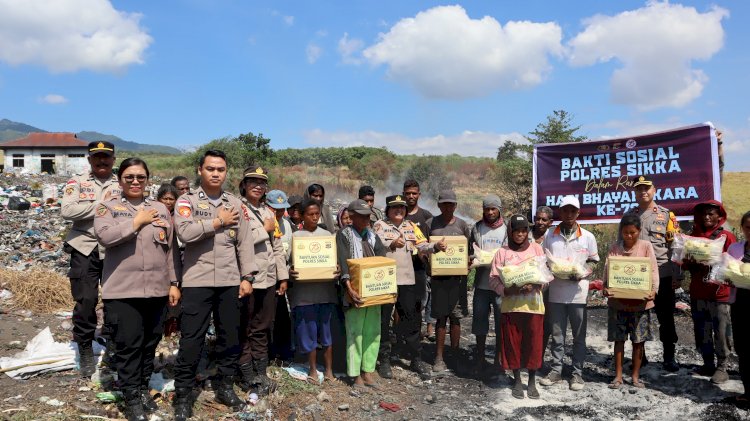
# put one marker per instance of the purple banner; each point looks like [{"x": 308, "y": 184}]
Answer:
[{"x": 683, "y": 164}]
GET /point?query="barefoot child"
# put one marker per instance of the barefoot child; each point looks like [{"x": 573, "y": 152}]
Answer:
[
  {"x": 313, "y": 303},
  {"x": 631, "y": 317},
  {"x": 522, "y": 309}
]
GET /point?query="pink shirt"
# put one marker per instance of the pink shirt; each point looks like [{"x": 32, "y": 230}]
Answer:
[{"x": 523, "y": 303}]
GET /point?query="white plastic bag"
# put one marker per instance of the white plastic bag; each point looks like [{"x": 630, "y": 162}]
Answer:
[
  {"x": 530, "y": 271},
  {"x": 704, "y": 250},
  {"x": 733, "y": 270},
  {"x": 565, "y": 268}
]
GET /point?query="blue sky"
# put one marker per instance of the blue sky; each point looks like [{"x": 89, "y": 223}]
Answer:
[{"x": 418, "y": 77}]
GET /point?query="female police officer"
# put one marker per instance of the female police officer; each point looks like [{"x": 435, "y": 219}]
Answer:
[{"x": 137, "y": 235}]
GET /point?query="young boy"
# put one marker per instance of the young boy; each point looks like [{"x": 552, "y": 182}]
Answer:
[{"x": 313, "y": 303}]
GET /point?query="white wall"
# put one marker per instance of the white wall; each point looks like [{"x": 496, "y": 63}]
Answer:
[{"x": 33, "y": 160}]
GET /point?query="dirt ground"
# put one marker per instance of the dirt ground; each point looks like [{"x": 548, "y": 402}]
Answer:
[{"x": 459, "y": 394}]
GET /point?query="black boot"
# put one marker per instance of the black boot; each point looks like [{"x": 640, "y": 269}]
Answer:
[
  {"x": 421, "y": 368},
  {"x": 183, "y": 403},
  {"x": 265, "y": 384},
  {"x": 86, "y": 359},
  {"x": 224, "y": 394},
  {"x": 133, "y": 406},
  {"x": 384, "y": 367},
  {"x": 669, "y": 361},
  {"x": 149, "y": 405},
  {"x": 248, "y": 377}
]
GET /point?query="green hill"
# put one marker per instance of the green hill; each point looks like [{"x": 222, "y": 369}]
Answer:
[{"x": 10, "y": 130}]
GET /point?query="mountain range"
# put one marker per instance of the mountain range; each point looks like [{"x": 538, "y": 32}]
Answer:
[{"x": 10, "y": 130}]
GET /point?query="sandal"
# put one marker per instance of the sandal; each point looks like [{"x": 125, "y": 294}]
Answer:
[
  {"x": 312, "y": 381},
  {"x": 332, "y": 380},
  {"x": 639, "y": 384},
  {"x": 374, "y": 386},
  {"x": 616, "y": 384}
]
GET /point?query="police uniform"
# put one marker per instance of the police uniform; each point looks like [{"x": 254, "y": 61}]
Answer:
[
  {"x": 409, "y": 301},
  {"x": 659, "y": 226},
  {"x": 81, "y": 196},
  {"x": 259, "y": 309},
  {"x": 136, "y": 278},
  {"x": 214, "y": 263}
]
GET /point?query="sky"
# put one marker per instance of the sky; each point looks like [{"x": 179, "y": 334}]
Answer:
[{"x": 422, "y": 77}]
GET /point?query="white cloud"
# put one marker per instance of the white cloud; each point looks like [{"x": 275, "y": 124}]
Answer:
[
  {"x": 70, "y": 35},
  {"x": 286, "y": 19},
  {"x": 467, "y": 143},
  {"x": 349, "y": 49},
  {"x": 53, "y": 99},
  {"x": 313, "y": 52},
  {"x": 656, "y": 46},
  {"x": 443, "y": 53}
]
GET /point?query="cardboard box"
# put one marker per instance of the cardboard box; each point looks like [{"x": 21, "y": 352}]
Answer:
[
  {"x": 374, "y": 279},
  {"x": 454, "y": 261},
  {"x": 314, "y": 258},
  {"x": 629, "y": 277}
]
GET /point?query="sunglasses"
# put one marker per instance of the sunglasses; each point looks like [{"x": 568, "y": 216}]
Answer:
[{"x": 130, "y": 178}]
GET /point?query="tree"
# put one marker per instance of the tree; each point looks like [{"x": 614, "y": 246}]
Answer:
[
  {"x": 241, "y": 151},
  {"x": 557, "y": 129},
  {"x": 514, "y": 172}
]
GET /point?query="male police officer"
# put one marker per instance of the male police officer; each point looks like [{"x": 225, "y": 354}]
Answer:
[
  {"x": 659, "y": 225},
  {"x": 219, "y": 258},
  {"x": 80, "y": 199}
]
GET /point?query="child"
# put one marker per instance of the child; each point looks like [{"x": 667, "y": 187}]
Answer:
[
  {"x": 631, "y": 317},
  {"x": 313, "y": 303},
  {"x": 740, "y": 311},
  {"x": 522, "y": 309}
]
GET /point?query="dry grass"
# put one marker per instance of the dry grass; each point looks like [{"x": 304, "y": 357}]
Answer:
[
  {"x": 38, "y": 290},
  {"x": 734, "y": 196}
]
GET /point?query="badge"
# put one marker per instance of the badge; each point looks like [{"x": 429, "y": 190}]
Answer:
[
  {"x": 85, "y": 184},
  {"x": 92, "y": 196},
  {"x": 69, "y": 191},
  {"x": 72, "y": 182},
  {"x": 184, "y": 211},
  {"x": 162, "y": 235},
  {"x": 82, "y": 196},
  {"x": 120, "y": 208},
  {"x": 201, "y": 195},
  {"x": 660, "y": 217},
  {"x": 202, "y": 205},
  {"x": 232, "y": 234},
  {"x": 101, "y": 210},
  {"x": 244, "y": 213}
]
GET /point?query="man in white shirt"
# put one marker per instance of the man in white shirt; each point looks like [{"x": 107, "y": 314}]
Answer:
[{"x": 567, "y": 296}]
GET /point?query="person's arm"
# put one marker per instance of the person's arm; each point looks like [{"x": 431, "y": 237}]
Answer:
[
  {"x": 496, "y": 282},
  {"x": 110, "y": 232},
  {"x": 654, "y": 269},
  {"x": 245, "y": 246},
  {"x": 74, "y": 209},
  {"x": 379, "y": 248},
  {"x": 189, "y": 229},
  {"x": 593, "y": 258},
  {"x": 342, "y": 254}
]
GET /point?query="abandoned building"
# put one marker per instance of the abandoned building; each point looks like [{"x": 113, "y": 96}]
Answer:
[{"x": 50, "y": 153}]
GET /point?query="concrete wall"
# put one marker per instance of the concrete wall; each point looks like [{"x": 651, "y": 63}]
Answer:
[{"x": 64, "y": 165}]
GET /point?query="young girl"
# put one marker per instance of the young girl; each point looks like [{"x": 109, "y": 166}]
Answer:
[
  {"x": 740, "y": 312},
  {"x": 522, "y": 309},
  {"x": 313, "y": 303},
  {"x": 631, "y": 317}
]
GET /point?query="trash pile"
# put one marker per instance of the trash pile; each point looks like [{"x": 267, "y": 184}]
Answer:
[{"x": 31, "y": 228}]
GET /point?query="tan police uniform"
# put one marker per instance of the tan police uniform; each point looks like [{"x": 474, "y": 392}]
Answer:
[
  {"x": 214, "y": 262},
  {"x": 135, "y": 283},
  {"x": 81, "y": 196},
  {"x": 659, "y": 226}
]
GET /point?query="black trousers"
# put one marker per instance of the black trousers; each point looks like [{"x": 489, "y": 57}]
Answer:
[
  {"x": 664, "y": 304},
  {"x": 198, "y": 304},
  {"x": 741, "y": 334},
  {"x": 136, "y": 326},
  {"x": 281, "y": 343},
  {"x": 85, "y": 273},
  {"x": 258, "y": 311},
  {"x": 409, "y": 308}
]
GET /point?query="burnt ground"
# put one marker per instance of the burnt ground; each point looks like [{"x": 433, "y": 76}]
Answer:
[{"x": 459, "y": 394}]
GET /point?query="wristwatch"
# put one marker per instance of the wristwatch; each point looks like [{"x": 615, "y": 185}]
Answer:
[{"x": 250, "y": 279}]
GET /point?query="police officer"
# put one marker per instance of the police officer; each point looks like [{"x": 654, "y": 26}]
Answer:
[
  {"x": 259, "y": 309},
  {"x": 80, "y": 199},
  {"x": 138, "y": 275},
  {"x": 218, "y": 270},
  {"x": 659, "y": 226},
  {"x": 402, "y": 240}
]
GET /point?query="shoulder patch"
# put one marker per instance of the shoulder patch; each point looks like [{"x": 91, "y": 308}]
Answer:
[
  {"x": 183, "y": 203},
  {"x": 72, "y": 181},
  {"x": 245, "y": 213},
  {"x": 101, "y": 210},
  {"x": 69, "y": 190},
  {"x": 184, "y": 211}
]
